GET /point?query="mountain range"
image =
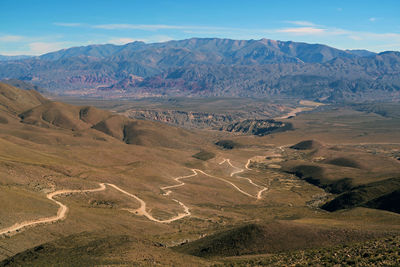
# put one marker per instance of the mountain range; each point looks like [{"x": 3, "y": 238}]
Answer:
[
  {"x": 7, "y": 58},
  {"x": 214, "y": 67}
]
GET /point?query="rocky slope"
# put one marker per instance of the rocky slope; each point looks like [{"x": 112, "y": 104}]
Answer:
[
  {"x": 184, "y": 118},
  {"x": 257, "y": 127},
  {"x": 202, "y": 114}
]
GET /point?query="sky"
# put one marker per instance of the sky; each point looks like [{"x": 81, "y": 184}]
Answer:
[{"x": 34, "y": 27}]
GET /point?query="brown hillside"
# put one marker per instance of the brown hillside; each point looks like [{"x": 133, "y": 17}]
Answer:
[
  {"x": 140, "y": 132},
  {"x": 92, "y": 115},
  {"x": 14, "y": 100},
  {"x": 265, "y": 238},
  {"x": 36, "y": 110},
  {"x": 64, "y": 116},
  {"x": 113, "y": 126}
]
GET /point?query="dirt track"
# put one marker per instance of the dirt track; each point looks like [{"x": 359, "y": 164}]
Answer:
[
  {"x": 239, "y": 170},
  {"x": 142, "y": 209},
  {"x": 63, "y": 209},
  {"x": 61, "y": 213}
]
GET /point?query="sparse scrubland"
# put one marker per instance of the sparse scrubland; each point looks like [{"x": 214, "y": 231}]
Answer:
[{"x": 330, "y": 188}]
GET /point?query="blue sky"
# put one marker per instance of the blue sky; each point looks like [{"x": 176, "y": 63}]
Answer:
[{"x": 34, "y": 27}]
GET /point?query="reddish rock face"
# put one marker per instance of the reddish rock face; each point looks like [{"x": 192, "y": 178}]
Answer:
[{"x": 90, "y": 80}]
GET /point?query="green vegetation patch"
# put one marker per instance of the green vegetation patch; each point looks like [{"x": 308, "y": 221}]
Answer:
[
  {"x": 204, "y": 155},
  {"x": 344, "y": 162},
  {"x": 381, "y": 195},
  {"x": 306, "y": 145},
  {"x": 227, "y": 144},
  {"x": 315, "y": 175}
]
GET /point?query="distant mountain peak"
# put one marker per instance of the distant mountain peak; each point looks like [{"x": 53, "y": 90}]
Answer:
[{"x": 361, "y": 52}]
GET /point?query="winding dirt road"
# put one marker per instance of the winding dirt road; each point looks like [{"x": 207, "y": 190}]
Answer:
[
  {"x": 226, "y": 181},
  {"x": 142, "y": 209},
  {"x": 177, "y": 185},
  {"x": 240, "y": 170},
  {"x": 61, "y": 213},
  {"x": 63, "y": 209}
]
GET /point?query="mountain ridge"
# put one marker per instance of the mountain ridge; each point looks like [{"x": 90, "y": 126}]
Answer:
[
  {"x": 214, "y": 67},
  {"x": 17, "y": 57}
]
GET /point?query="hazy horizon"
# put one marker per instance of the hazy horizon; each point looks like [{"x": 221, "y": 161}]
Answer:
[{"x": 50, "y": 26}]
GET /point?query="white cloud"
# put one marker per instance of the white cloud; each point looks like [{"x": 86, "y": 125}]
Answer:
[
  {"x": 15, "y": 53},
  {"x": 372, "y": 19},
  {"x": 303, "y": 31},
  {"x": 38, "y": 48},
  {"x": 11, "y": 38},
  {"x": 300, "y": 22}
]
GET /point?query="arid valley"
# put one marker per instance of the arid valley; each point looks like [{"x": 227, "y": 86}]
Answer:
[
  {"x": 199, "y": 133},
  {"x": 87, "y": 185}
]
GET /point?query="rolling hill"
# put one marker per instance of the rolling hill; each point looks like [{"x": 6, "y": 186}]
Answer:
[
  {"x": 14, "y": 100},
  {"x": 31, "y": 108},
  {"x": 358, "y": 179},
  {"x": 24, "y": 85},
  {"x": 82, "y": 185}
]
